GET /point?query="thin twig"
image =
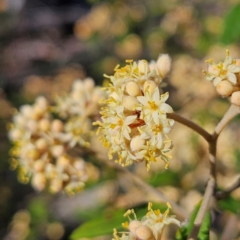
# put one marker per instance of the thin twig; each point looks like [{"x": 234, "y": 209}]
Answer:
[
  {"x": 223, "y": 194},
  {"x": 203, "y": 209},
  {"x": 191, "y": 125},
  {"x": 211, "y": 186},
  {"x": 228, "y": 116}
]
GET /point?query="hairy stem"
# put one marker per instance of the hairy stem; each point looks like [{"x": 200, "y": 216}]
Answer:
[{"x": 191, "y": 125}]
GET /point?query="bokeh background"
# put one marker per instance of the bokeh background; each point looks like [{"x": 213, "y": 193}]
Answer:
[{"x": 46, "y": 44}]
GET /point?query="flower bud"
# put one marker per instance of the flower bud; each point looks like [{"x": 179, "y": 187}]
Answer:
[
  {"x": 39, "y": 181},
  {"x": 41, "y": 144},
  {"x": 143, "y": 66},
  {"x": 163, "y": 64},
  {"x": 133, "y": 225},
  {"x": 15, "y": 134},
  {"x": 42, "y": 102},
  {"x": 63, "y": 161},
  {"x": 133, "y": 89},
  {"x": 88, "y": 83},
  {"x": 144, "y": 232},
  {"x": 26, "y": 110},
  {"x": 55, "y": 185},
  {"x": 235, "y": 98},
  {"x": 57, "y": 150},
  {"x": 224, "y": 88},
  {"x": 44, "y": 125},
  {"x": 136, "y": 143},
  {"x": 32, "y": 126},
  {"x": 149, "y": 86},
  {"x": 57, "y": 126},
  {"x": 39, "y": 165},
  {"x": 130, "y": 103}
]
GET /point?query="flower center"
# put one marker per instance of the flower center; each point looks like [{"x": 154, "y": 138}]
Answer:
[{"x": 152, "y": 105}]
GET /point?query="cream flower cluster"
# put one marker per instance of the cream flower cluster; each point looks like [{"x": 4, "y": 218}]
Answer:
[
  {"x": 134, "y": 118},
  {"x": 150, "y": 227},
  {"x": 43, "y": 144},
  {"x": 226, "y": 77}
]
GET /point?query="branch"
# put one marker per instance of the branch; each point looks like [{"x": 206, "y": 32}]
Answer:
[
  {"x": 223, "y": 194},
  {"x": 204, "y": 207},
  {"x": 191, "y": 125},
  {"x": 228, "y": 116}
]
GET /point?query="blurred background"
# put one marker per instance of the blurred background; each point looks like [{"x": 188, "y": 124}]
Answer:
[{"x": 46, "y": 44}]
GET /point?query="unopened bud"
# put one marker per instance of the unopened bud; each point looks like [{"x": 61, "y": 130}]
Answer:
[
  {"x": 44, "y": 125},
  {"x": 42, "y": 102},
  {"x": 130, "y": 103},
  {"x": 133, "y": 89},
  {"x": 136, "y": 143},
  {"x": 39, "y": 181},
  {"x": 41, "y": 144},
  {"x": 15, "y": 134},
  {"x": 63, "y": 161},
  {"x": 57, "y": 150},
  {"x": 55, "y": 185},
  {"x": 32, "y": 126},
  {"x": 163, "y": 64},
  {"x": 39, "y": 165},
  {"x": 26, "y": 110},
  {"x": 144, "y": 233},
  {"x": 57, "y": 125},
  {"x": 235, "y": 98},
  {"x": 133, "y": 225},
  {"x": 88, "y": 83},
  {"x": 143, "y": 66},
  {"x": 149, "y": 86},
  {"x": 224, "y": 88}
]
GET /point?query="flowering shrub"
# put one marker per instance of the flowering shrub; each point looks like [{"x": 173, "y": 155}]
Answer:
[{"x": 50, "y": 140}]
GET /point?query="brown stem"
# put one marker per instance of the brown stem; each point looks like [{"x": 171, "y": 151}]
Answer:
[
  {"x": 191, "y": 125},
  {"x": 228, "y": 116},
  {"x": 211, "y": 186},
  {"x": 202, "y": 211}
]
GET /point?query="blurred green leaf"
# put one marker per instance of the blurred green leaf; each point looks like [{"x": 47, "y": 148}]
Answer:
[
  {"x": 100, "y": 225},
  {"x": 230, "y": 204},
  {"x": 164, "y": 178},
  {"x": 203, "y": 234},
  {"x": 38, "y": 210},
  {"x": 231, "y": 32}
]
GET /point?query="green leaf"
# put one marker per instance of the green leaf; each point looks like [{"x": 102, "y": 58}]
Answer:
[
  {"x": 100, "y": 225},
  {"x": 231, "y": 32},
  {"x": 183, "y": 232},
  {"x": 230, "y": 204},
  {"x": 164, "y": 178}
]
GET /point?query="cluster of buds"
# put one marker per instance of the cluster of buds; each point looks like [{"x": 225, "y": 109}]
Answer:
[
  {"x": 134, "y": 117},
  {"x": 44, "y": 143},
  {"x": 150, "y": 227},
  {"x": 226, "y": 77}
]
